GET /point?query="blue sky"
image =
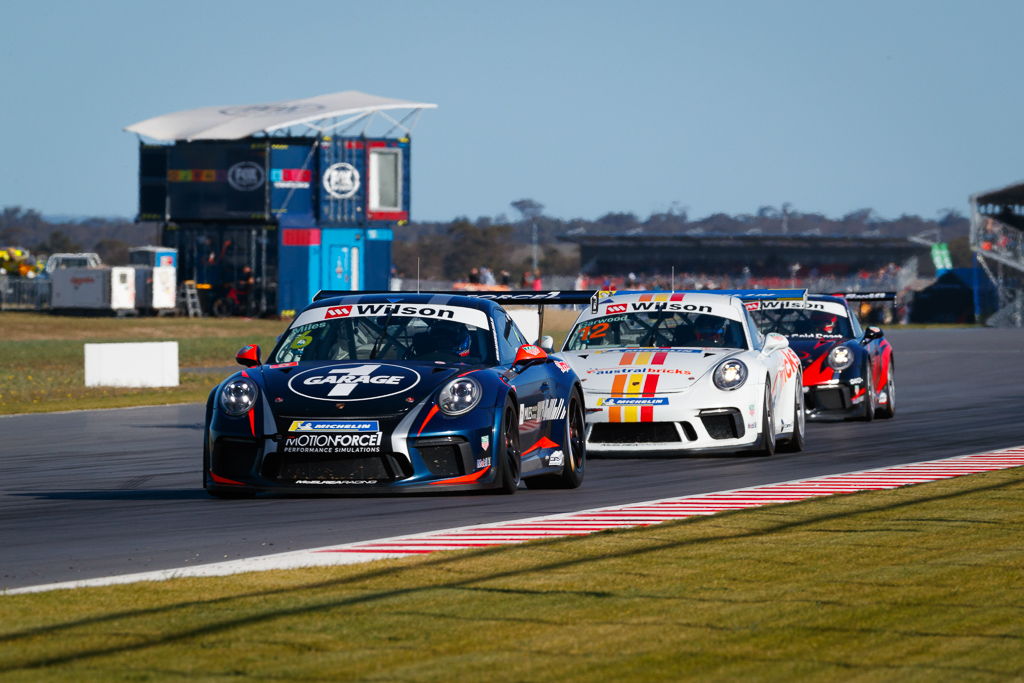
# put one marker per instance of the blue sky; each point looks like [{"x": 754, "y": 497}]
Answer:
[{"x": 586, "y": 107}]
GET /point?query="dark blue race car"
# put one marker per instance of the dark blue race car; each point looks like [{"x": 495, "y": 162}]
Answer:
[{"x": 396, "y": 392}]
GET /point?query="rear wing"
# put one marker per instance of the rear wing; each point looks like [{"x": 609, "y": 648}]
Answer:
[
  {"x": 743, "y": 294},
  {"x": 508, "y": 297},
  {"x": 866, "y": 296},
  {"x": 540, "y": 299}
]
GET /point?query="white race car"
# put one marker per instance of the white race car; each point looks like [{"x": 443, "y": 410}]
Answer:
[{"x": 674, "y": 372}]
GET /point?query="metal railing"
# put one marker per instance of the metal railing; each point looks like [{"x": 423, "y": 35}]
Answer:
[{"x": 23, "y": 294}]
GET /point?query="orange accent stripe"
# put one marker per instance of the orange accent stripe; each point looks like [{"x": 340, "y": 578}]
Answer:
[
  {"x": 659, "y": 358},
  {"x": 619, "y": 385},
  {"x": 645, "y": 297},
  {"x": 464, "y": 479},
  {"x": 615, "y": 414},
  {"x": 544, "y": 442},
  {"x": 223, "y": 480},
  {"x": 252, "y": 421},
  {"x": 430, "y": 416},
  {"x": 627, "y": 358}
]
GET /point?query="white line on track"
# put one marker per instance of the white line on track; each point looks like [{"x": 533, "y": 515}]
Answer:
[{"x": 580, "y": 523}]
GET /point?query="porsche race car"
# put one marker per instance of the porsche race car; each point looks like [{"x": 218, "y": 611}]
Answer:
[
  {"x": 678, "y": 372},
  {"x": 847, "y": 371},
  {"x": 395, "y": 392}
]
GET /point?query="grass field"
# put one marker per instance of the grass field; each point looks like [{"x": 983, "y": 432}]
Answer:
[
  {"x": 42, "y": 358},
  {"x": 865, "y": 587}
]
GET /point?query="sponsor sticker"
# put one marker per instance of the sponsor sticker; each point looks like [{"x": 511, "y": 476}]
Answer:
[
  {"x": 468, "y": 316},
  {"x": 335, "y": 482},
  {"x": 616, "y": 308},
  {"x": 485, "y": 442},
  {"x": 353, "y": 382},
  {"x": 556, "y": 458},
  {"x": 640, "y": 349},
  {"x": 482, "y": 463},
  {"x": 334, "y": 426},
  {"x": 650, "y": 371},
  {"x": 655, "y": 401},
  {"x": 563, "y": 366},
  {"x": 333, "y": 443},
  {"x": 548, "y": 409}
]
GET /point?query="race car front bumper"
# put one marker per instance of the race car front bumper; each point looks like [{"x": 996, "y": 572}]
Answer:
[
  {"x": 679, "y": 423},
  {"x": 834, "y": 400}
]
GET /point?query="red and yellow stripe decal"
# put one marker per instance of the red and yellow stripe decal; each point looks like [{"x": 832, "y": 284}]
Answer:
[
  {"x": 633, "y": 385},
  {"x": 661, "y": 297}
]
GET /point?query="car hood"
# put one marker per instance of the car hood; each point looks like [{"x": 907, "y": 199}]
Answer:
[
  {"x": 356, "y": 389},
  {"x": 645, "y": 369}
]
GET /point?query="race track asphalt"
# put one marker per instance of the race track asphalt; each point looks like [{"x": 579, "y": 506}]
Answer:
[{"x": 98, "y": 493}]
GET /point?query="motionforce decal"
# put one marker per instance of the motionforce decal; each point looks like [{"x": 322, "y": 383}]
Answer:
[{"x": 353, "y": 382}]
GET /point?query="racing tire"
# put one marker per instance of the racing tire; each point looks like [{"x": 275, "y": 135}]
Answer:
[
  {"x": 510, "y": 457},
  {"x": 796, "y": 442},
  {"x": 888, "y": 411},
  {"x": 575, "y": 449},
  {"x": 869, "y": 396},
  {"x": 765, "y": 445}
]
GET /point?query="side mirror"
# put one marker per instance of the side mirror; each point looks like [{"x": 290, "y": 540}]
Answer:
[
  {"x": 529, "y": 354},
  {"x": 547, "y": 343},
  {"x": 872, "y": 333},
  {"x": 773, "y": 341},
  {"x": 249, "y": 356}
]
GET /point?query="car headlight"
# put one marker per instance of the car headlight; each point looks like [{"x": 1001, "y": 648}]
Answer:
[
  {"x": 840, "y": 358},
  {"x": 730, "y": 375},
  {"x": 459, "y": 396},
  {"x": 238, "y": 396}
]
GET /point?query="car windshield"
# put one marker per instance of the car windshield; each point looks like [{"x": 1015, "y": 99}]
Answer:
[
  {"x": 795, "y": 322},
  {"x": 660, "y": 328},
  {"x": 386, "y": 337}
]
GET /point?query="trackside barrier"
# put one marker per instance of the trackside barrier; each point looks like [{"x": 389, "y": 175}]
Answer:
[{"x": 141, "y": 364}]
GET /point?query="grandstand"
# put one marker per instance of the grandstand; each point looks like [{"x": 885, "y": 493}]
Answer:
[
  {"x": 744, "y": 258},
  {"x": 997, "y": 240}
]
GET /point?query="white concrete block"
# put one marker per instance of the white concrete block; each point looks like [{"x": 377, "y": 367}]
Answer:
[{"x": 141, "y": 364}]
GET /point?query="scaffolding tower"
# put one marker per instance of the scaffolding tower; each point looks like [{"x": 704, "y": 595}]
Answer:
[{"x": 997, "y": 240}]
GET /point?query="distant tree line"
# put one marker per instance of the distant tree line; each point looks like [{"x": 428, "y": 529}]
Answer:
[
  {"x": 109, "y": 237},
  {"x": 449, "y": 249}
]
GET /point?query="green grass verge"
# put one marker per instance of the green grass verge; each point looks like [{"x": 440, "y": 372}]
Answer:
[
  {"x": 919, "y": 583},
  {"x": 42, "y": 357}
]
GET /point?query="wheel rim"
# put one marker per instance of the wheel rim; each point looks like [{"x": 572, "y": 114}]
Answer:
[
  {"x": 575, "y": 437},
  {"x": 512, "y": 445},
  {"x": 890, "y": 392},
  {"x": 769, "y": 422}
]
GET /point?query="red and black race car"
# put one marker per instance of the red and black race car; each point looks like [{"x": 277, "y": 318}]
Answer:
[{"x": 848, "y": 371}]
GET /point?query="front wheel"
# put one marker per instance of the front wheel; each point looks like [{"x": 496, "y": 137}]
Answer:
[
  {"x": 575, "y": 452},
  {"x": 795, "y": 443},
  {"x": 766, "y": 441},
  {"x": 869, "y": 396},
  {"x": 888, "y": 411},
  {"x": 509, "y": 457}
]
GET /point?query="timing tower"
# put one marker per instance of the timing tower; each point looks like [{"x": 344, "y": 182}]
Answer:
[{"x": 301, "y": 194}]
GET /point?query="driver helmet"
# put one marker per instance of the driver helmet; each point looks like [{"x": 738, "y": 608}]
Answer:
[
  {"x": 709, "y": 330},
  {"x": 450, "y": 337}
]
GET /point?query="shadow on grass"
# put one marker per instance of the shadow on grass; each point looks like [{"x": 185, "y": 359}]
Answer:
[{"x": 390, "y": 571}]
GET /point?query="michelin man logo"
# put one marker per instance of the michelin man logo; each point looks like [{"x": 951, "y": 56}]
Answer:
[{"x": 341, "y": 181}]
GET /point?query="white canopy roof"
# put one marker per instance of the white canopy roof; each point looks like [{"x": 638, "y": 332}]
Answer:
[{"x": 236, "y": 122}]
